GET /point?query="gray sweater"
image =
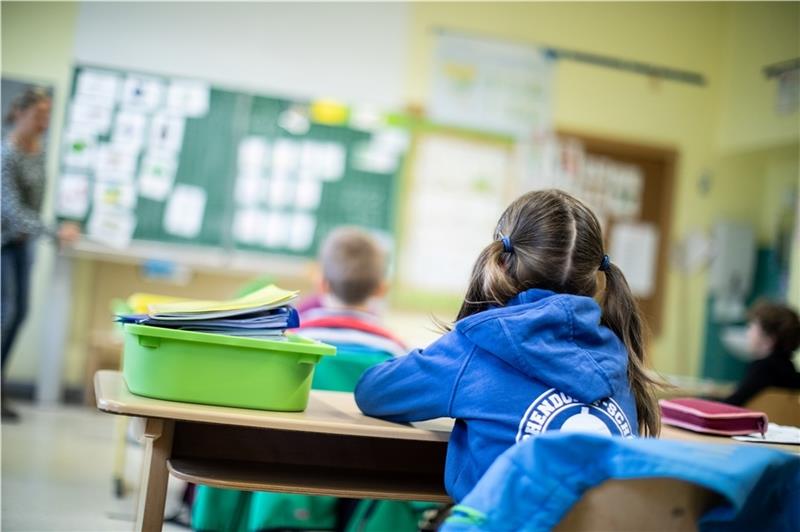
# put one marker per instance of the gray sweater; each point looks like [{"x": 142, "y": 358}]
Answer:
[{"x": 22, "y": 192}]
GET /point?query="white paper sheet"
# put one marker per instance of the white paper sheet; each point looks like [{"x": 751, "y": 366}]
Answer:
[
  {"x": 295, "y": 120},
  {"x": 784, "y": 434},
  {"x": 491, "y": 85},
  {"x": 185, "y": 211},
  {"x": 302, "y": 234},
  {"x": 166, "y": 133},
  {"x": 142, "y": 94},
  {"x": 250, "y": 226},
  {"x": 366, "y": 118},
  {"x": 276, "y": 234},
  {"x": 129, "y": 130},
  {"x": 86, "y": 115},
  {"x": 157, "y": 175},
  {"x": 112, "y": 227},
  {"x": 100, "y": 87},
  {"x": 281, "y": 193},
  {"x": 114, "y": 164},
  {"x": 308, "y": 195},
  {"x": 634, "y": 249},
  {"x": 374, "y": 158},
  {"x": 332, "y": 164},
  {"x": 73, "y": 196},
  {"x": 253, "y": 155},
  {"x": 286, "y": 156},
  {"x": 79, "y": 147},
  {"x": 114, "y": 195},
  {"x": 250, "y": 191},
  {"x": 188, "y": 98},
  {"x": 458, "y": 196}
]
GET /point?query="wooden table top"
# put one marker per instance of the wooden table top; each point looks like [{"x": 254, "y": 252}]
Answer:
[{"x": 327, "y": 412}]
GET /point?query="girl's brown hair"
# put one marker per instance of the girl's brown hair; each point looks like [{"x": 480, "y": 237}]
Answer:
[
  {"x": 27, "y": 99},
  {"x": 555, "y": 242}
]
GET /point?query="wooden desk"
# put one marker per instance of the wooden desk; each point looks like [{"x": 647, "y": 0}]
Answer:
[
  {"x": 675, "y": 433},
  {"x": 333, "y": 449},
  {"x": 330, "y": 449}
]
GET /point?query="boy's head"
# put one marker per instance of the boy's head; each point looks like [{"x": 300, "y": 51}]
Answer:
[
  {"x": 353, "y": 266},
  {"x": 773, "y": 328}
]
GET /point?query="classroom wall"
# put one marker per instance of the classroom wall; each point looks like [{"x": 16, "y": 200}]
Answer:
[{"x": 37, "y": 42}]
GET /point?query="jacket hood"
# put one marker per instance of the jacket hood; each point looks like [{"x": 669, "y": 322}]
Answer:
[{"x": 556, "y": 339}]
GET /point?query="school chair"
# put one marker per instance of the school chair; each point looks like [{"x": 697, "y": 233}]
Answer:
[
  {"x": 781, "y": 406},
  {"x": 574, "y": 481}
]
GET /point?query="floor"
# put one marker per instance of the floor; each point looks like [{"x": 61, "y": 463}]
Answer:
[{"x": 57, "y": 473}]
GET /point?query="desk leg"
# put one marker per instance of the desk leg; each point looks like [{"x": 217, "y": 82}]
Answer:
[{"x": 153, "y": 487}]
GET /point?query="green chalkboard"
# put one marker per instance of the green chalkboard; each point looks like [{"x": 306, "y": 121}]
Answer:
[{"x": 272, "y": 174}]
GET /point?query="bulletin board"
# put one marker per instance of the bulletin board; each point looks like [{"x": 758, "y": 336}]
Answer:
[{"x": 162, "y": 159}]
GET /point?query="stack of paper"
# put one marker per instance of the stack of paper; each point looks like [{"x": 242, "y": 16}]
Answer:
[{"x": 265, "y": 313}]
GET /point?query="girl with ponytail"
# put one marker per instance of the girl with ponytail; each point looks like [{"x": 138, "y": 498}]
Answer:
[{"x": 548, "y": 337}]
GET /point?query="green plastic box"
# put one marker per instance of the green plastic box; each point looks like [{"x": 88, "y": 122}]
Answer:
[{"x": 216, "y": 369}]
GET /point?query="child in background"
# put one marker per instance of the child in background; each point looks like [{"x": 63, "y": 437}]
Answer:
[
  {"x": 351, "y": 285},
  {"x": 773, "y": 334},
  {"x": 531, "y": 349}
]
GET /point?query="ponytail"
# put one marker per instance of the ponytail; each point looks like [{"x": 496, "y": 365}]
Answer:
[
  {"x": 621, "y": 314},
  {"x": 490, "y": 284}
]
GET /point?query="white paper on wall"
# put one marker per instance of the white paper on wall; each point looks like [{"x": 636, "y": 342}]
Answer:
[
  {"x": 634, "y": 249},
  {"x": 79, "y": 147},
  {"x": 188, "y": 98},
  {"x": 250, "y": 226},
  {"x": 166, "y": 133},
  {"x": 276, "y": 233},
  {"x": 185, "y": 211},
  {"x": 250, "y": 191},
  {"x": 89, "y": 116},
  {"x": 302, "y": 232},
  {"x": 286, "y": 156},
  {"x": 142, "y": 94},
  {"x": 281, "y": 192},
  {"x": 100, "y": 87},
  {"x": 129, "y": 130},
  {"x": 112, "y": 227},
  {"x": 308, "y": 195},
  {"x": 253, "y": 155},
  {"x": 115, "y": 195},
  {"x": 114, "y": 164},
  {"x": 157, "y": 175},
  {"x": 73, "y": 196}
]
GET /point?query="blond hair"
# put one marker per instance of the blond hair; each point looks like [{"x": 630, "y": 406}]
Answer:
[{"x": 353, "y": 264}]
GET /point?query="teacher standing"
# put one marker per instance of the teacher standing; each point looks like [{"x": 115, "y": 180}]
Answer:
[{"x": 23, "y": 172}]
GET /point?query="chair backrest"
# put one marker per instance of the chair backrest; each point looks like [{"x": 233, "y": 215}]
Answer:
[
  {"x": 340, "y": 373},
  {"x": 639, "y": 504},
  {"x": 781, "y": 406}
]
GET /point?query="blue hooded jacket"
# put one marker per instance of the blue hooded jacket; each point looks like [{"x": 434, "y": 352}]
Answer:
[{"x": 542, "y": 362}]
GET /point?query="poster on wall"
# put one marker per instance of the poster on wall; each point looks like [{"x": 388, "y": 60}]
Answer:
[
  {"x": 491, "y": 85},
  {"x": 457, "y": 196}
]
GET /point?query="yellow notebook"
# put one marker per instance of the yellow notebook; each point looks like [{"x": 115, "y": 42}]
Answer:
[{"x": 268, "y": 297}]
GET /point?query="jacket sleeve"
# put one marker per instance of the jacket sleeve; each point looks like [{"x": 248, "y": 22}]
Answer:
[
  {"x": 416, "y": 386},
  {"x": 18, "y": 219}
]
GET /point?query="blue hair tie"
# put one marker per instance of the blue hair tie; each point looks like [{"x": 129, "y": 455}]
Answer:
[
  {"x": 507, "y": 247},
  {"x": 605, "y": 264}
]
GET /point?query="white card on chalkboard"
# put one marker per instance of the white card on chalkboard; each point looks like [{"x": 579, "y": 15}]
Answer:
[
  {"x": 73, "y": 196},
  {"x": 185, "y": 211}
]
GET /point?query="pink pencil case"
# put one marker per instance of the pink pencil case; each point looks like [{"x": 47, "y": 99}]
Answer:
[{"x": 712, "y": 417}]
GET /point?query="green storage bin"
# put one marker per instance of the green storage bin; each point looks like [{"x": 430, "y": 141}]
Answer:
[{"x": 216, "y": 369}]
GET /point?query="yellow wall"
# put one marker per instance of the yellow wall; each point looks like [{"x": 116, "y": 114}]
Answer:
[{"x": 726, "y": 129}]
